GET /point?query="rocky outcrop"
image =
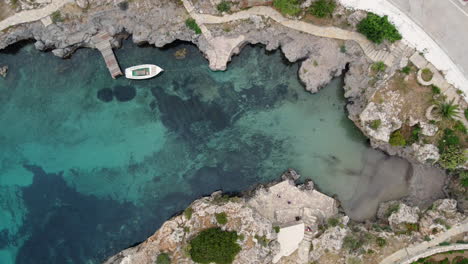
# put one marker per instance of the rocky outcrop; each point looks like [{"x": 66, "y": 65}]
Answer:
[
  {"x": 4, "y": 71},
  {"x": 402, "y": 216},
  {"x": 253, "y": 217}
]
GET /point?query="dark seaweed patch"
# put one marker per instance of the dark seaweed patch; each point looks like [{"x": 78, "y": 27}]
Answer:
[
  {"x": 124, "y": 93},
  {"x": 105, "y": 95},
  {"x": 64, "y": 225}
]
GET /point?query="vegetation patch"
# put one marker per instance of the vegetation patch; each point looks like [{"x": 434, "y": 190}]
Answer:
[
  {"x": 379, "y": 66},
  {"x": 448, "y": 110},
  {"x": 163, "y": 258},
  {"x": 333, "y": 221},
  {"x": 288, "y": 7},
  {"x": 192, "y": 24},
  {"x": 322, "y": 8},
  {"x": 56, "y": 17},
  {"x": 406, "y": 70},
  {"x": 214, "y": 246},
  {"x": 277, "y": 229},
  {"x": 375, "y": 124},
  {"x": 262, "y": 240},
  {"x": 221, "y": 218},
  {"x": 381, "y": 242},
  {"x": 224, "y": 6},
  {"x": 188, "y": 213},
  {"x": 392, "y": 209},
  {"x": 426, "y": 74},
  {"x": 377, "y": 29},
  {"x": 355, "y": 241},
  {"x": 397, "y": 139},
  {"x": 435, "y": 89}
]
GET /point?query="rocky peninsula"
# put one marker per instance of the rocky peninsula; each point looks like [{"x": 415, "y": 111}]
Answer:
[{"x": 397, "y": 98}]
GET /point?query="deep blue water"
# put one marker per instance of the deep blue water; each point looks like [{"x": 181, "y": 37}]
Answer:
[{"x": 91, "y": 165}]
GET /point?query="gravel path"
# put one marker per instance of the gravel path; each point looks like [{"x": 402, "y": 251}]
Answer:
[{"x": 32, "y": 15}]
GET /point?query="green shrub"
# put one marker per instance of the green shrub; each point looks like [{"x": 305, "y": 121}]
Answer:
[
  {"x": 332, "y": 221},
  {"x": 352, "y": 243},
  {"x": 343, "y": 49},
  {"x": 381, "y": 242},
  {"x": 56, "y": 17},
  {"x": 375, "y": 124},
  {"x": 262, "y": 240},
  {"x": 406, "y": 70},
  {"x": 397, "y": 139},
  {"x": 449, "y": 139},
  {"x": 444, "y": 243},
  {"x": 163, "y": 258},
  {"x": 188, "y": 213},
  {"x": 392, "y": 209},
  {"x": 435, "y": 89},
  {"x": 322, "y": 8},
  {"x": 277, "y": 229},
  {"x": 288, "y": 7},
  {"x": 224, "y": 6},
  {"x": 192, "y": 24},
  {"x": 221, "y": 218},
  {"x": 464, "y": 178},
  {"x": 416, "y": 131},
  {"x": 466, "y": 113},
  {"x": 448, "y": 110},
  {"x": 378, "y": 29},
  {"x": 214, "y": 245},
  {"x": 452, "y": 157},
  {"x": 379, "y": 66},
  {"x": 186, "y": 229},
  {"x": 459, "y": 126}
]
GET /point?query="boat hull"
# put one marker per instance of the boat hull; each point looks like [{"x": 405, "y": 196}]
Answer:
[{"x": 142, "y": 72}]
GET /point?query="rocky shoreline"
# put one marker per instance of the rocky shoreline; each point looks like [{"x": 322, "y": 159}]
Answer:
[{"x": 163, "y": 22}]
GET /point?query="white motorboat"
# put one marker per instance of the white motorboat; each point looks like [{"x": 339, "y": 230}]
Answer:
[{"x": 144, "y": 71}]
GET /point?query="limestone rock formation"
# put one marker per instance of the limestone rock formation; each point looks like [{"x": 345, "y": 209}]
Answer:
[
  {"x": 4, "y": 71},
  {"x": 404, "y": 215},
  {"x": 426, "y": 152}
]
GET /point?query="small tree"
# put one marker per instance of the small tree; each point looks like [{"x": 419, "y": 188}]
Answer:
[
  {"x": 224, "y": 6},
  {"x": 163, "y": 258},
  {"x": 322, "y": 8},
  {"x": 378, "y": 29},
  {"x": 214, "y": 245}
]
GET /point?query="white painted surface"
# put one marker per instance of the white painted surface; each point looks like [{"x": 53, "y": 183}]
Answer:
[{"x": 289, "y": 239}]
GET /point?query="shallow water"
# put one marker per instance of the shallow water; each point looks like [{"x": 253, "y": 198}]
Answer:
[{"x": 82, "y": 178}]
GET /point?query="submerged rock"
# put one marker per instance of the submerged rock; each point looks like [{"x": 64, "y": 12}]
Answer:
[{"x": 4, "y": 71}]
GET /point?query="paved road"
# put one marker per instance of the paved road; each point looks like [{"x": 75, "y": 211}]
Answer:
[
  {"x": 446, "y": 21},
  {"x": 418, "y": 250}
]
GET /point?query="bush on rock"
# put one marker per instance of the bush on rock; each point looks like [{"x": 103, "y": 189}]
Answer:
[
  {"x": 377, "y": 29},
  {"x": 214, "y": 246}
]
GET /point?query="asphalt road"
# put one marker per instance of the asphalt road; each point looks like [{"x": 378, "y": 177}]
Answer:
[{"x": 446, "y": 21}]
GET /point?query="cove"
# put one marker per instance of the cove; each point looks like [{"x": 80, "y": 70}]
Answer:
[{"x": 91, "y": 165}]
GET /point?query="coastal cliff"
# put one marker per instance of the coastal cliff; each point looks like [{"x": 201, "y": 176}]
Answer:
[
  {"x": 264, "y": 221},
  {"x": 380, "y": 102}
]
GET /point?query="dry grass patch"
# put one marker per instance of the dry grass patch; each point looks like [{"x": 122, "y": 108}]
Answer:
[{"x": 415, "y": 98}]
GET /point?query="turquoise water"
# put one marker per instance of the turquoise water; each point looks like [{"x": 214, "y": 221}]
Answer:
[{"x": 83, "y": 177}]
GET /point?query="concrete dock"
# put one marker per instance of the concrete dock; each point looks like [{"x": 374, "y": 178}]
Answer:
[{"x": 102, "y": 42}]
